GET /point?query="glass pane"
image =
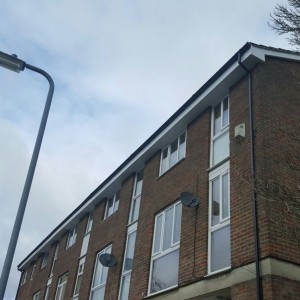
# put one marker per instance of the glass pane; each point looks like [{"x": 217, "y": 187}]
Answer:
[
  {"x": 215, "y": 205},
  {"x": 110, "y": 205},
  {"x": 129, "y": 251},
  {"x": 164, "y": 161},
  {"x": 117, "y": 201},
  {"x": 58, "y": 292},
  {"x": 157, "y": 236},
  {"x": 174, "y": 153},
  {"x": 89, "y": 224},
  {"x": 177, "y": 223},
  {"x": 168, "y": 228},
  {"x": 98, "y": 271},
  {"x": 78, "y": 283},
  {"x": 98, "y": 294},
  {"x": 105, "y": 269},
  {"x": 85, "y": 244},
  {"x": 139, "y": 183},
  {"x": 125, "y": 287},
  {"x": 135, "y": 209},
  {"x": 217, "y": 119},
  {"x": 225, "y": 112},
  {"x": 220, "y": 249},
  {"x": 221, "y": 148},
  {"x": 225, "y": 206},
  {"x": 165, "y": 272}
]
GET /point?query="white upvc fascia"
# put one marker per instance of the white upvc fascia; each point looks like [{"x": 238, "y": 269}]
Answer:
[{"x": 258, "y": 54}]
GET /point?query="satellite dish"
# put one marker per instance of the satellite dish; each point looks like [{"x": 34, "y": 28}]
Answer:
[
  {"x": 107, "y": 260},
  {"x": 188, "y": 199}
]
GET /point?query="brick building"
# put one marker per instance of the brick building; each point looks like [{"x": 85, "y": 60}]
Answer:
[{"x": 239, "y": 242}]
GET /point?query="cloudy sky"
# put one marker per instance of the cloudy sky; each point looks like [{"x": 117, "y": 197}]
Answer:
[{"x": 121, "y": 68}]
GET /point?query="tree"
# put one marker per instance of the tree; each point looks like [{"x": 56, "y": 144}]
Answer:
[{"x": 286, "y": 20}]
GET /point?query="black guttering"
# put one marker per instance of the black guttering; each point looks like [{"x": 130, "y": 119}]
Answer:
[{"x": 193, "y": 98}]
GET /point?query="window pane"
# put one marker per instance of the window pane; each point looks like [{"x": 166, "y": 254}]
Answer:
[
  {"x": 177, "y": 223},
  {"x": 225, "y": 112},
  {"x": 164, "y": 161},
  {"x": 221, "y": 148},
  {"x": 78, "y": 284},
  {"x": 168, "y": 228},
  {"x": 215, "y": 209},
  {"x": 85, "y": 244},
  {"x": 125, "y": 287},
  {"x": 165, "y": 272},
  {"x": 96, "y": 281},
  {"x": 117, "y": 200},
  {"x": 225, "y": 208},
  {"x": 135, "y": 209},
  {"x": 217, "y": 119},
  {"x": 220, "y": 249},
  {"x": 174, "y": 153},
  {"x": 181, "y": 151},
  {"x": 98, "y": 294},
  {"x": 157, "y": 236},
  {"x": 129, "y": 251},
  {"x": 139, "y": 183},
  {"x": 110, "y": 206}
]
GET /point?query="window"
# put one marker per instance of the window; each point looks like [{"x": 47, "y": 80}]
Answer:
[
  {"x": 33, "y": 269},
  {"x": 44, "y": 260},
  {"x": 165, "y": 249},
  {"x": 136, "y": 197},
  {"x": 24, "y": 277},
  {"x": 220, "y": 132},
  {"x": 219, "y": 218},
  {"x": 54, "y": 260},
  {"x": 173, "y": 153},
  {"x": 72, "y": 237},
  {"x": 47, "y": 292},
  {"x": 112, "y": 205},
  {"x": 61, "y": 286},
  {"x": 99, "y": 278},
  {"x": 36, "y": 296},
  {"x": 79, "y": 276},
  {"x": 89, "y": 224},
  {"x": 127, "y": 263}
]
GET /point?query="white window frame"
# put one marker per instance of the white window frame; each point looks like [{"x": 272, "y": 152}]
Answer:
[
  {"x": 72, "y": 237},
  {"x": 89, "y": 224},
  {"x": 161, "y": 253},
  {"x": 131, "y": 229},
  {"x": 33, "y": 269},
  {"x": 79, "y": 275},
  {"x": 168, "y": 157},
  {"x": 54, "y": 259},
  {"x": 116, "y": 201},
  {"x": 44, "y": 260},
  {"x": 61, "y": 287},
  {"x": 108, "y": 249},
  {"x": 136, "y": 198},
  {"x": 24, "y": 277},
  {"x": 223, "y": 222},
  {"x": 47, "y": 292},
  {"x": 36, "y": 295},
  {"x": 224, "y": 129}
]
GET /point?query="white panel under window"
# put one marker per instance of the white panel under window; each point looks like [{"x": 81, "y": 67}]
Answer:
[
  {"x": 221, "y": 147},
  {"x": 220, "y": 249},
  {"x": 165, "y": 272}
]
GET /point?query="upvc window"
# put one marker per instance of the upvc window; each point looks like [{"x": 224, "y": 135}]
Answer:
[
  {"x": 79, "y": 276},
  {"x": 99, "y": 277},
  {"x": 47, "y": 292},
  {"x": 112, "y": 205},
  {"x": 173, "y": 153},
  {"x": 61, "y": 287},
  {"x": 165, "y": 250},
  {"x": 33, "y": 269},
  {"x": 45, "y": 260},
  {"x": 24, "y": 277},
  {"x": 36, "y": 296},
  {"x": 72, "y": 237},
  {"x": 127, "y": 263},
  {"x": 219, "y": 220},
  {"x": 220, "y": 132},
  {"x": 136, "y": 197},
  {"x": 89, "y": 224},
  {"x": 54, "y": 259}
]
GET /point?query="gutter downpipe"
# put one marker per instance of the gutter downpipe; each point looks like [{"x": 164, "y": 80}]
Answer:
[{"x": 259, "y": 290}]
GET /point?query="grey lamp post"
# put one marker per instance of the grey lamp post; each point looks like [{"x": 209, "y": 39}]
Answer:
[{"x": 12, "y": 63}]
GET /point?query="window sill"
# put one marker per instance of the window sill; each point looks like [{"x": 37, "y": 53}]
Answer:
[
  {"x": 218, "y": 164},
  {"x": 163, "y": 174},
  {"x": 218, "y": 272}
]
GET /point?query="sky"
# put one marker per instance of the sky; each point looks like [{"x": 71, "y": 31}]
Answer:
[{"x": 121, "y": 68}]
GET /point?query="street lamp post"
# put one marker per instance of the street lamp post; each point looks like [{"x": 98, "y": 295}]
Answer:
[{"x": 12, "y": 63}]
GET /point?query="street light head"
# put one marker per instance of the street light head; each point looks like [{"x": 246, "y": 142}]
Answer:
[{"x": 11, "y": 62}]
